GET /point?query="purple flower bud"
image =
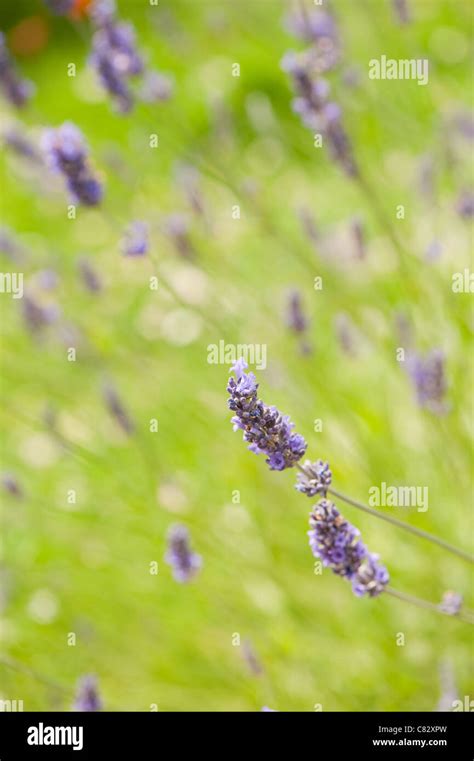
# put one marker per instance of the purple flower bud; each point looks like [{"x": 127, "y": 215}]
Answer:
[
  {"x": 87, "y": 696},
  {"x": 336, "y": 542},
  {"x": 401, "y": 10},
  {"x": 428, "y": 376},
  {"x": 465, "y": 205},
  {"x": 267, "y": 431},
  {"x": 296, "y": 320},
  {"x": 315, "y": 479},
  {"x": 66, "y": 152},
  {"x": 37, "y": 316},
  {"x": 135, "y": 241},
  {"x": 179, "y": 556},
  {"x": 451, "y": 603},
  {"x": 18, "y": 91},
  {"x": 177, "y": 227},
  {"x": 155, "y": 88},
  {"x": 18, "y": 142}
]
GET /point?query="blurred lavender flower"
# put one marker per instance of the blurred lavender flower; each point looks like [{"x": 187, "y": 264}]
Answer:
[
  {"x": 319, "y": 28},
  {"x": 17, "y": 90},
  {"x": 89, "y": 276},
  {"x": 266, "y": 709},
  {"x": 117, "y": 410},
  {"x": 60, "y": 7},
  {"x": 177, "y": 228},
  {"x": 315, "y": 109},
  {"x": 336, "y": 542},
  {"x": 179, "y": 555},
  {"x": 114, "y": 55},
  {"x": 267, "y": 431},
  {"x": 11, "y": 485},
  {"x": 358, "y": 236},
  {"x": 189, "y": 179},
  {"x": 19, "y": 143},
  {"x": 465, "y": 204},
  {"x": 87, "y": 695},
  {"x": 251, "y": 658},
  {"x": 308, "y": 225},
  {"x": 296, "y": 320},
  {"x": 401, "y": 10},
  {"x": 155, "y": 88},
  {"x": 451, "y": 603},
  {"x": 66, "y": 152},
  {"x": 315, "y": 478},
  {"x": 433, "y": 251},
  {"x": 37, "y": 316},
  {"x": 10, "y": 246},
  {"x": 135, "y": 241},
  {"x": 428, "y": 374},
  {"x": 345, "y": 332}
]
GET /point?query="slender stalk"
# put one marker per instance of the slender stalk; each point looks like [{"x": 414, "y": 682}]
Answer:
[
  {"x": 466, "y": 616},
  {"x": 405, "y": 526}
]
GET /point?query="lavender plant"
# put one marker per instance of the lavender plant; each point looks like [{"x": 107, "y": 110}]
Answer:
[
  {"x": 15, "y": 89},
  {"x": 66, "y": 152},
  {"x": 332, "y": 538},
  {"x": 184, "y": 562}
]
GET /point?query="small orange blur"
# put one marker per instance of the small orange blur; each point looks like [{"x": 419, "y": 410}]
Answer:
[
  {"x": 29, "y": 37},
  {"x": 80, "y": 8}
]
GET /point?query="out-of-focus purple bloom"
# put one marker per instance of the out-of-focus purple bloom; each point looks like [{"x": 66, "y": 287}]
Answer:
[
  {"x": 87, "y": 696},
  {"x": 315, "y": 109},
  {"x": 19, "y": 143},
  {"x": 464, "y": 124},
  {"x": 135, "y": 241},
  {"x": 266, "y": 709},
  {"x": 315, "y": 479},
  {"x": 251, "y": 658},
  {"x": 155, "y": 88},
  {"x": 184, "y": 562},
  {"x": 465, "y": 204},
  {"x": 296, "y": 319},
  {"x": 60, "y": 7},
  {"x": 449, "y": 692},
  {"x": 89, "y": 276},
  {"x": 451, "y": 603},
  {"x": 308, "y": 225},
  {"x": 336, "y": 542},
  {"x": 17, "y": 90},
  {"x": 177, "y": 228},
  {"x": 66, "y": 152},
  {"x": 189, "y": 179},
  {"x": 10, "y": 246},
  {"x": 11, "y": 485},
  {"x": 319, "y": 28},
  {"x": 117, "y": 409},
  {"x": 267, "y": 431},
  {"x": 402, "y": 11},
  {"x": 358, "y": 236},
  {"x": 433, "y": 251},
  {"x": 345, "y": 333},
  {"x": 428, "y": 375},
  {"x": 36, "y": 315}
]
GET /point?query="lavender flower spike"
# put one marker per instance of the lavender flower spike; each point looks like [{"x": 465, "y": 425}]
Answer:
[
  {"x": 180, "y": 557},
  {"x": 15, "y": 89},
  {"x": 66, "y": 151},
  {"x": 267, "y": 431},
  {"x": 135, "y": 242},
  {"x": 87, "y": 697},
  {"x": 336, "y": 542},
  {"x": 314, "y": 478}
]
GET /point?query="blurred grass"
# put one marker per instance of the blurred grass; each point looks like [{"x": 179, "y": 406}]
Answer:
[{"x": 148, "y": 639}]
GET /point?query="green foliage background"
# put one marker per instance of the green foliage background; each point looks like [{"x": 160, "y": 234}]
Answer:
[{"x": 84, "y": 568}]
